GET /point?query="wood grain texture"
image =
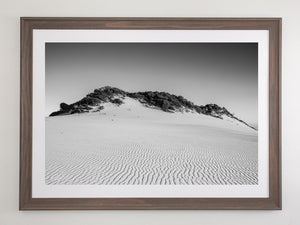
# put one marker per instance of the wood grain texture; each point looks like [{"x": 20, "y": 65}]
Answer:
[
  {"x": 25, "y": 116},
  {"x": 273, "y": 25}
]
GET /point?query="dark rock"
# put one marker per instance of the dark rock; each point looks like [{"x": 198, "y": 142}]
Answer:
[
  {"x": 117, "y": 101},
  {"x": 65, "y": 107},
  {"x": 165, "y": 106},
  {"x": 57, "y": 113}
]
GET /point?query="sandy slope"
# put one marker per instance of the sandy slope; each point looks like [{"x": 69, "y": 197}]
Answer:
[{"x": 132, "y": 144}]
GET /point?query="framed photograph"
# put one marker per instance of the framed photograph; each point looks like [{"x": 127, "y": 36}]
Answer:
[{"x": 150, "y": 113}]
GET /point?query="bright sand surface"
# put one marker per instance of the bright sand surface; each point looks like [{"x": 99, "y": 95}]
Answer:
[{"x": 132, "y": 144}]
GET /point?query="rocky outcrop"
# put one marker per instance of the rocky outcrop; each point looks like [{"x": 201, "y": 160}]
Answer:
[
  {"x": 93, "y": 101},
  {"x": 164, "y": 101}
]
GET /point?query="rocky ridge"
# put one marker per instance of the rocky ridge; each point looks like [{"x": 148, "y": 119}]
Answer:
[{"x": 164, "y": 101}]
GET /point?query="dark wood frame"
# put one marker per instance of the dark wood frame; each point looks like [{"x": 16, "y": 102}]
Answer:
[{"x": 273, "y": 25}]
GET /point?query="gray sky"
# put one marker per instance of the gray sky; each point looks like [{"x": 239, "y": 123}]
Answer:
[{"x": 221, "y": 73}]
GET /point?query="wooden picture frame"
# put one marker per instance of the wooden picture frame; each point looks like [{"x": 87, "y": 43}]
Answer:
[{"x": 28, "y": 25}]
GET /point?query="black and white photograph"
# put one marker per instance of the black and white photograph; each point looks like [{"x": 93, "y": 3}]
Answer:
[{"x": 151, "y": 114}]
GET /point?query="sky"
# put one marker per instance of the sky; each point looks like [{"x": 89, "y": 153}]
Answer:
[{"x": 222, "y": 73}]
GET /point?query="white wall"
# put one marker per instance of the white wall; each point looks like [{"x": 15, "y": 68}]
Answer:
[{"x": 11, "y": 10}]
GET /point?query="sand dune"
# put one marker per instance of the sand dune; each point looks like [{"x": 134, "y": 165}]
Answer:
[{"x": 132, "y": 144}]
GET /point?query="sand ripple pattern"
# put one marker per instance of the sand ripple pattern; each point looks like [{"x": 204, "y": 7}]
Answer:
[{"x": 152, "y": 165}]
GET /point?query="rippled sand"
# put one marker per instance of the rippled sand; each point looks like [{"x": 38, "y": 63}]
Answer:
[{"x": 132, "y": 144}]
